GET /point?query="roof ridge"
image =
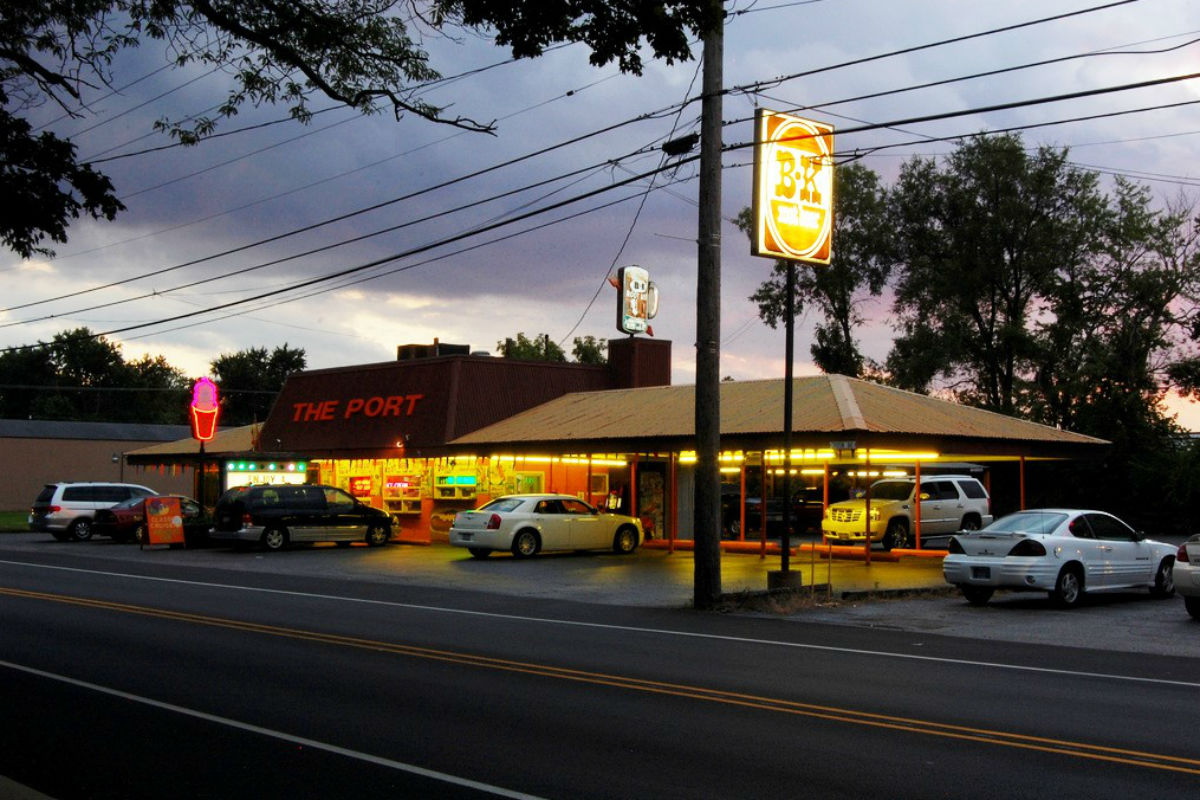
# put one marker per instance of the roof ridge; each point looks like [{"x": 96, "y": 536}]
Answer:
[{"x": 847, "y": 404}]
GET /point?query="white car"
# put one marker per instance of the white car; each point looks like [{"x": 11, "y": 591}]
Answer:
[
  {"x": 1187, "y": 574},
  {"x": 525, "y": 524},
  {"x": 1062, "y": 551}
]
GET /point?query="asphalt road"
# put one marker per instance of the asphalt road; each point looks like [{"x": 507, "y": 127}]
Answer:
[{"x": 136, "y": 677}]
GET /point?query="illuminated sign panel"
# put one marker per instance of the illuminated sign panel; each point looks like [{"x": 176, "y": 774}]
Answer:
[
  {"x": 793, "y": 188},
  {"x": 164, "y": 520},
  {"x": 637, "y": 300},
  {"x": 204, "y": 408}
]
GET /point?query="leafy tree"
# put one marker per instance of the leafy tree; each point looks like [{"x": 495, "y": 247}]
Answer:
[
  {"x": 613, "y": 30},
  {"x": 25, "y": 374},
  {"x": 164, "y": 391},
  {"x": 526, "y": 349},
  {"x": 979, "y": 242},
  {"x": 78, "y": 376},
  {"x": 363, "y": 53},
  {"x": 859, "y": 268},
  {"x": 589, "y": 350},
  {"x": 250, "y": 379}
]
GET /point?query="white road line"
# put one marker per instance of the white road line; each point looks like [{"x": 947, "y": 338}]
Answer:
[
  {"x": 274, "y": 734},
  {"x": 631, "y": 628}
]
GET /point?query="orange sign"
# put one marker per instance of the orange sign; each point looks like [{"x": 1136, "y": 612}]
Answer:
[
  {"x": 793, "y": 188},
  {"x": 164, "y": 521}
]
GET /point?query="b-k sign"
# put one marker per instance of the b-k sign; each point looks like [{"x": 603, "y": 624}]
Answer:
[{"x": 793, "y": 188}]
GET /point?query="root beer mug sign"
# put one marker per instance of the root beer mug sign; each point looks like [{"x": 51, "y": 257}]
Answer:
[{"x": 793, "y": 188}]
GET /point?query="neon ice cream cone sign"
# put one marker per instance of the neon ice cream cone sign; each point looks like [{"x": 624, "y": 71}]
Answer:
[{"x": 204, "y": 410}]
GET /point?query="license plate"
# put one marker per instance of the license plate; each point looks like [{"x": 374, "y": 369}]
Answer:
[
  {"x": 982, "y": 573},
  {"x": 466, "y": 537}
]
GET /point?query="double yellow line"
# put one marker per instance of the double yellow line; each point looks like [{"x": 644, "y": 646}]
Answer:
[{"x": 1095, "y": 752}]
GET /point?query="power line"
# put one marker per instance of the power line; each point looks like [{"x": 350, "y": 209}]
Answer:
[
  {"x": 528, "y": 156},
  {"x": 593, "y": 193}
]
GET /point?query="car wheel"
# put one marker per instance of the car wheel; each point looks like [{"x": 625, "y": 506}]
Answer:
[
  {"x": 971, "y": 522},
  {"x": 1164, "y": 579},
  {"x": 525, "y": 544},
  {"x": 626, "y": 540},
  {"x": 1192, "y": 604},
  {"x": 977, "y": 595},
  {"x": 139, "y": 534},
  {"x": 479, "y": 552},
  {"x": 896, "y": 535},
  {"x": 80, "y": 530},
  {"x": 1068, "y": 589},
  {"x": 274, "y": 539},
  {"x": 378, "y": 535}
]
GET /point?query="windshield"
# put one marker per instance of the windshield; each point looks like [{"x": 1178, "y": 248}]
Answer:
[
  {"x": 1027, "y": 522},
  {"x": 891, "y": 490}
]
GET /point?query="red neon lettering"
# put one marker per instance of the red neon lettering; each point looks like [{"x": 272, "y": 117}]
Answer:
[
  {"x": 353, "y": 407},
  {"x": 412, "y": 402},
  {"x": 328, "y": 409},
  {"x": 392, "y": 407},
  {"x": 373, "y": 406}
]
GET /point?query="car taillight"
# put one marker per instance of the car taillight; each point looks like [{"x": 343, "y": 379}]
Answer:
[
  {"x": 246, "y": 521},
  {"x": 493, "y": 523},
  {"x": 54, "y": 509},
  {"x": 1181, "y": 554},
  {"x": 1028, "y": 547}
]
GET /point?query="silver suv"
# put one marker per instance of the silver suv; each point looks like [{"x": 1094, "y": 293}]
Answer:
[
  {"x": 65, "y": 510},
  {"x": 949, "y": 503}
]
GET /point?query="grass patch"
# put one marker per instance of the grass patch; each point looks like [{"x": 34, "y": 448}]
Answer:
[{"x": 11, "y": 521}]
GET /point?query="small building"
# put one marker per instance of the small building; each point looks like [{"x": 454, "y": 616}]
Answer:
[{"x": 37, "y": 452}]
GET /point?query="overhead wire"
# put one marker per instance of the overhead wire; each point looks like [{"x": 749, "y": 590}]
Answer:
[
  {"x": 596, "y": 192},
  {"x": 542, "y": 151}
]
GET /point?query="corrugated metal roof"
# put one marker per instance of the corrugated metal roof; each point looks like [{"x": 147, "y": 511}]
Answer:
[
  {"x": 93, "y": 431},
  {"x": 824, "y": 407},
  {"x": 226, "y": 442}
]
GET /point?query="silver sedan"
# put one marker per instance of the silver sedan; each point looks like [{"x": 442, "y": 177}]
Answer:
[
  {"x": 1064, "y": 552},
  {"x": 525, "y": 524}
]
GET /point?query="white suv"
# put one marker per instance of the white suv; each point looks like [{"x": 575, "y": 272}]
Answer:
[
  {"x": 66, "y": 509},
  {"x": 949, "y": 503}
]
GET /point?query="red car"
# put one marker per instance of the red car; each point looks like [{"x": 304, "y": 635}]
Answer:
[{"x": 126, "y": 521}]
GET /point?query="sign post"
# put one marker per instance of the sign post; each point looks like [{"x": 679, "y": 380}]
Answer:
[
  {"x": 204, "y": 410},
  {"x": 793, "y": 221}
]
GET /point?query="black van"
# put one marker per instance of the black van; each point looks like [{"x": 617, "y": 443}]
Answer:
[{"x": 277, "y": 515}]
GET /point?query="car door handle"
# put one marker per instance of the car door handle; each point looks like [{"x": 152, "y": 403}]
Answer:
[{"x": 1106, "y": 548}]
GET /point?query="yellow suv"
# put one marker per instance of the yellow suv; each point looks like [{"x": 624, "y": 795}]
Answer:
[{"x": 949, "y": 503}]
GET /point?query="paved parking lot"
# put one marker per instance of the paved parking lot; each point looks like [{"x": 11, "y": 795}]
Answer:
[{"x": 909, "y": 595}]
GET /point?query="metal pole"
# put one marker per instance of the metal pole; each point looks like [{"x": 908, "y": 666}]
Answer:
[
  {"x": 790, "y": 328},
  {"x": 707, "y": 497}
]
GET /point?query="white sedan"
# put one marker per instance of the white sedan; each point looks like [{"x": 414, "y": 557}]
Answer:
[
  {"x": 1065, "y": 552},
  {"x": 1187, "y": 574},
  {"x": 525, "y": 524}
]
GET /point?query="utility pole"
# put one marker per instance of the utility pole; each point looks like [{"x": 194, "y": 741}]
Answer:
[{"x": 707, "y": 497}]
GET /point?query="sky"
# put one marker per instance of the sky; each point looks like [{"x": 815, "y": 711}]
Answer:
[{"x": 201, "y": 217}]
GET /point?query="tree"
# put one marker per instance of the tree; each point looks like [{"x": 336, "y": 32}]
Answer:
[
  {"x": 859, "y": 268},
  {"x": 589, "y": 350},
  {"x": 249, "y": 380},
  {"x": 363, "y": 53},
  {"x": 979, "y": 243},
  {"x": 79, "y": 376},
  {"x": 526, "y": 349}
]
